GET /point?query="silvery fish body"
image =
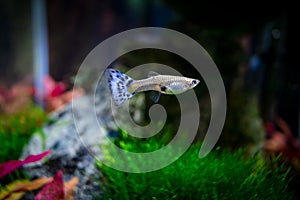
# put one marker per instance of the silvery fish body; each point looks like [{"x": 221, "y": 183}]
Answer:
[{"x": 124, "y": 87}]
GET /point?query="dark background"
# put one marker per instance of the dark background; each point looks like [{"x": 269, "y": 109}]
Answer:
[{"x": 250, "y": 41}]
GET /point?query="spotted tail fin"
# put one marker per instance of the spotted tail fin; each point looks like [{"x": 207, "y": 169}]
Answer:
[{"x": 118, "y": 84}]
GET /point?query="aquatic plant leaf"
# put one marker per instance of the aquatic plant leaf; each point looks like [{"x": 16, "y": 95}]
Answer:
[
  {"x": 10, "y": 166},
  {"x": 53, "y": 88},
  {"x": 7, "y": 192},
  {"x": 53, "y": 190},
  {"x": 15, "y": 196},
  {"x": 32, "y": 185},
  {"x": 17, "y": 189},
  {"x": 69, "y": 188}
]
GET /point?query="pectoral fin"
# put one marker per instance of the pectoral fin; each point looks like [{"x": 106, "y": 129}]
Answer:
[{"x": 155, "y": 95}]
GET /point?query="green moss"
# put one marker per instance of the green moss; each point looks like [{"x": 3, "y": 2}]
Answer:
[
  {"x": 16, "y": 129},
  {"x": 220, "y": 175}
]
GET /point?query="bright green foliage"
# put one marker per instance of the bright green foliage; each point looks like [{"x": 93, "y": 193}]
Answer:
[
  {"x": 16, "y": 129},
  {"x": 220, "y": 175}
]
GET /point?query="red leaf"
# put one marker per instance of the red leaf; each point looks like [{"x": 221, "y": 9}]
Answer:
[
  {"x": 10, "y": 166},
  {"x": 58, "y": 90},
  {"x": 53, "y": 88},
  {"x": 53, "y": 190}
]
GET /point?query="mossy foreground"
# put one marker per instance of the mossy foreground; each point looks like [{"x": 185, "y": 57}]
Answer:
[
  {"x": 220, "y": 175},
  {"x": 16, "y": 130}
]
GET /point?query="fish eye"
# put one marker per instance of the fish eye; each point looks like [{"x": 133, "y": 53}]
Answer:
[{"x": 194, "y": 82}]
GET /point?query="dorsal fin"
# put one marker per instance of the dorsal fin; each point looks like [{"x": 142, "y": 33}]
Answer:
[{"x": 152, "y": 73}]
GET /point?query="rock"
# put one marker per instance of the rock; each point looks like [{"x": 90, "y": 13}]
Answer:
[
  {"x": 68, "y": 151},
  {"x": 76, "y": 144}
]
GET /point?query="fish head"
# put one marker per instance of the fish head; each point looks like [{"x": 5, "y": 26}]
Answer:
[
  {"x": 180, "y": 86},
  {"x": 191, "y": 83}
]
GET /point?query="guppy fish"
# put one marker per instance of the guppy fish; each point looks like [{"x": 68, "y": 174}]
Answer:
[{"x": 123, "y": 87}]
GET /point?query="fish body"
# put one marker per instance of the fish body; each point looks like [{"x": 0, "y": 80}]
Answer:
[{"x": 124, "y": 87}]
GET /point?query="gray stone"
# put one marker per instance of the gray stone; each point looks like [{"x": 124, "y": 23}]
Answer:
[
  {"x": 69, "y": 153},
  {"x": 76, "y": 144}
]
